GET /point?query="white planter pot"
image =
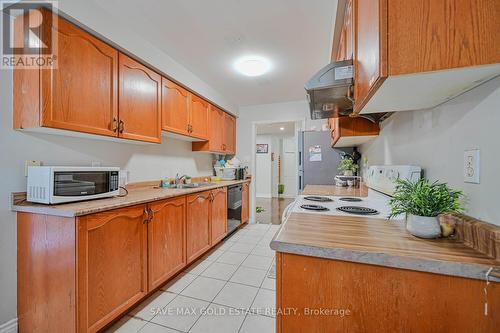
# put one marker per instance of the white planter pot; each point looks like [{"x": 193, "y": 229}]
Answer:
[
  {"x": 423, "y": 226},
  {"x": 348, "y": 173}
]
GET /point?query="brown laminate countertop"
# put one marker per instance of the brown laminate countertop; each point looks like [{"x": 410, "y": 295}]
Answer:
[
  {"x": 378, "y": 242},
  {"x": 332, "y": 190},
  {"x": 136, "y": 195}
]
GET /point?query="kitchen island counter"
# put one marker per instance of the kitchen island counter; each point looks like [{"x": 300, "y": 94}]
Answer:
[{"x": 378, "y": 242}]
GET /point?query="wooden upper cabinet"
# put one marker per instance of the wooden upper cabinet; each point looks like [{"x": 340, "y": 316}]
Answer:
[
  {"x": 434, "y": 35},
  {"x": 349, "y": 30},
  {"x": 81, "y": 94},
  {"x": 370, "y": 60},
  {"x": 199, "y": 117},
  {"x": 175, "y": 104},
  {"x": 216, "y": 141},
  {"x": 166, "y": 239},
  {"x": 351, "y": 131},
  {"x": 218, "y": 215},
  {"x": 229, "y": 134},
  {"x": 222, "y": 133},
  {"x": 197, "y": 224},
  {"x": 112, "y": 259},
  {"x": 140, "y": 104},
  {"x": 245, "y": 203},
  {"x": 402, "y": 45}
]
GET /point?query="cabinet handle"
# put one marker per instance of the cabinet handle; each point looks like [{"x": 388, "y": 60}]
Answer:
[
  {"x": 121, "y": 126},
  {"x": 146, "y": 212},
  {"x": 152, "y": 215},
  {"x": 115, "y": 124}
]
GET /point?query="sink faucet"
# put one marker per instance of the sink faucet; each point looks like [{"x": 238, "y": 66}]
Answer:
[{"x": 178, "y": 179}]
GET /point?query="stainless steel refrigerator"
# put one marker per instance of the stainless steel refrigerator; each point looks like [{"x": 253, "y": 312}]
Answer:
[{"x": 318, "y": 161}]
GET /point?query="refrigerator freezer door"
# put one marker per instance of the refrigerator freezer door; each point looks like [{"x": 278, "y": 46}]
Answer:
[{"x": 320, "y": 160}]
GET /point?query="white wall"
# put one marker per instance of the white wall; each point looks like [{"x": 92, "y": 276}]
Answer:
[
  {"x": 144, "y": 162},
  {"x": 436, "y": 139},
  {"x": 266, "y": 170},
  {"x": 290, "y": 164},
  {"x": 277, "y": 112},
  {"x": 263, "y": 170}
]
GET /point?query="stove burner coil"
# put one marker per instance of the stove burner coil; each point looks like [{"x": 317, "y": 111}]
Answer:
[
  {"x": 314, "y": 207},
  {"x": 358, "y": 210}
]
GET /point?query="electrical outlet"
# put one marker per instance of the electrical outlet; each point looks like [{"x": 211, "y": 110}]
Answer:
[
  {"x": 96, "y": 164},
  {"x": 29, "y": 163},
  {"x": 471, "y": 166}
]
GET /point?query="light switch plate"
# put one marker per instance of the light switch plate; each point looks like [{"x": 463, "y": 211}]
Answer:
[
  {"x": 29, "y": 163},
  {"x": 471, "y": 166}
]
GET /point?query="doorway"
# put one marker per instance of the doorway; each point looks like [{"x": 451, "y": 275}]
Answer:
[{"x": 276, "y": 168}]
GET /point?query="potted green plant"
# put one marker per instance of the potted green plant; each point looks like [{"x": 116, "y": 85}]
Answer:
[
  {"x": 348, "y": 167},
  {"x": 422, "y": 202}
]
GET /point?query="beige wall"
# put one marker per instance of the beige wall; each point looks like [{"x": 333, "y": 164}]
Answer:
[{"x": 436, "y": 139}]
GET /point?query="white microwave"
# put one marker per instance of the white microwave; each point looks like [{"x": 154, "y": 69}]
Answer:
[{"x": 54, "y": 185}]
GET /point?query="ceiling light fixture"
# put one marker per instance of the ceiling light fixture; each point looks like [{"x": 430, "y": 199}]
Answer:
[
  {"x": 282, "y": 128},
  {"x": 252, "y": 65}
]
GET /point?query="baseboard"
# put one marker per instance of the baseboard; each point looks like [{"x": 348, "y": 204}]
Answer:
[{"x": 9, "y": 327}]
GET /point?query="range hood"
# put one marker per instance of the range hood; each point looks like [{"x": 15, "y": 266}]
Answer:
[{"x": 329, "y": 91}]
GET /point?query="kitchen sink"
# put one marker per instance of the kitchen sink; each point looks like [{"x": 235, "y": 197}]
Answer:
[{"x": 192, "y": 185}]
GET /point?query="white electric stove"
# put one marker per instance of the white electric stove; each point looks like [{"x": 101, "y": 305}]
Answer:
[{"x": 381, "y": 186}]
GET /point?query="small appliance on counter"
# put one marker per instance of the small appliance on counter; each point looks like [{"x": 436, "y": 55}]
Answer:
[
  {"x": 230, "y": 170},
  {"x": 55, "y": 185},
  {"x": 351, "y": 181}
]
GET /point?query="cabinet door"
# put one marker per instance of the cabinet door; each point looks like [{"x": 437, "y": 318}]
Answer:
[
  {"x": 245, "y": 203},
  {"x": 349, "y": 30},
  {"x": 166, "y": 239},
  {"x": 197, "y": 224},
  {"x": 229, "y": 134},
  {"x": 370, "y": 58},
  {"x": 112, "y": 265},
  {"x": 174, "y": 107},
  {"x": 199, "y": 117},
  {"x": 218, "y": 220},
  {"x": 216, "y": 129},
  {"x": 82, "y": 93},
  {"x": 140, "y": 107}
]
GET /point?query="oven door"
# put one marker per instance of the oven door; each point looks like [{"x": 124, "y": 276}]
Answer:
[{"x": 82, "y": 185}]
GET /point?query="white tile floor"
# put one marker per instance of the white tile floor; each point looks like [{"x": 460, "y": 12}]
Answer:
[{"x": 227, "y": 291}]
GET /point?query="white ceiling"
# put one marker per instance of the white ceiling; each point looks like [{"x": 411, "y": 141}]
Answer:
[
  {"x": 275, "y": 128},
  {"x": 208, "y": 36}
]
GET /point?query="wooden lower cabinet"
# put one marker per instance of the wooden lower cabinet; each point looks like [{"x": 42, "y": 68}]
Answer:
[
  {"x": 368, "y": 298},
  {"x": 245, "y": 203},
  {"x": 112, "y": 265},
  {"x": 218, "y": 215},
  {"x": 46, "y": 274},
  {"x": 79, "y": 274},
  {"x": 197, "y": 224},
  {"x": 166, "y": 240}
]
